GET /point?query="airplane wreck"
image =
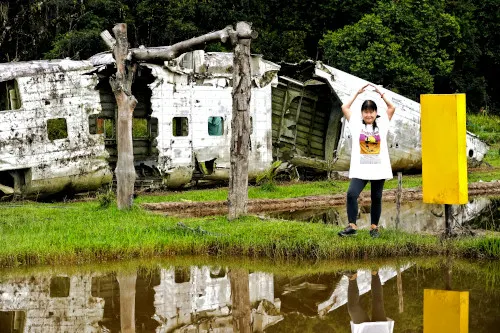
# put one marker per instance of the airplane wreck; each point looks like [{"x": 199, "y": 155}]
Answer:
[{"x": 58, "y": 122}]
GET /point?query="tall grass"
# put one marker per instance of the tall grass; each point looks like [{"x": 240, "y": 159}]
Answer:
[
  {"x": 487, "y": 128},
  {"x": 83, "y": 232}
]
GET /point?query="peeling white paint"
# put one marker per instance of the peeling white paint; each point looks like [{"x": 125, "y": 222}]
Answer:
[
  {"x": 195, "y": 86},
  {"x": 201, "y": 91},
  {"x": 52, "y": 90},
  {"x": 178, "y": 304},
  {"x": 78, "y": 312},
  {"x": 404, "y": 139}
]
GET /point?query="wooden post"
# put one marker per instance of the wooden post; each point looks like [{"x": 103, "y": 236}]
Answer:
[
  {"x": 121, "y": 84},
  {"x": 240, "y": 300},
  {"x": 399, "y": 282},
  {"x": 240, "y": 123},
  {"x": 448, "y": 215},
  {"x": 398, "y": 198},
  {"x": 127, "y": 285}
]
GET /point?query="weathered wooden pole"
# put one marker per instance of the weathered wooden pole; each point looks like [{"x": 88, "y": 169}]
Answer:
[
  {"x": 121, "y": 84},
  {"x": 240, "y": 123},
  {"x": 399, "y": 283},
  {"x": 127, "y": 285},
  {"x": 240, "y": 301},
  {"x": 398, "y": 199},
  {"x": 448, "y": 215}
]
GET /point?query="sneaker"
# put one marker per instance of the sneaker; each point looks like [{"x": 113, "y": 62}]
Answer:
[
  {"x": 374, "y": 233},
  {"x": 348, "y": 231}
]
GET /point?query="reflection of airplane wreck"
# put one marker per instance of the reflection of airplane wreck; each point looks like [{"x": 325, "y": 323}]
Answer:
[
  {"x": 49, "y": 304},
  {"x": 414, "y": 216},
  {"x": 199, "y": 300},
  {"x": 57, "y": 121},
  {"x": 180, "y": 299}
]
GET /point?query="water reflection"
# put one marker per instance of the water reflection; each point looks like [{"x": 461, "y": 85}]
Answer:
[
  {"x": 360, "y": 320},
  {"x": 415, "y": 216},
  {"x": 234, "y": 299}
]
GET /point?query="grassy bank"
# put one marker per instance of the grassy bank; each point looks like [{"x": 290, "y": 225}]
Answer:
[
  {"x": 83, "y": 232},
  {"x": 77, "y": 232}
]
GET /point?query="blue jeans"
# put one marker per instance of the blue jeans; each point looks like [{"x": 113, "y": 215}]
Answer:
[{"x": 355, "y": 187}]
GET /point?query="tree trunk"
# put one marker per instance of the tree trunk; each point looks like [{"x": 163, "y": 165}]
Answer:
[
  {"x": 240, "y": 124},
  {"x": 240, "y": 300},
  {"x": 121, "y": 84},
  {"x": 127, "y": 302}
]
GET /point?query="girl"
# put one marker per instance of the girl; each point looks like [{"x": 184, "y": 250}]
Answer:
[{"x": 369, "y": 158}]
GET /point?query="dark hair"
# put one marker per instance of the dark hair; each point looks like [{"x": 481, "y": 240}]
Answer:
[{"x": 370, "y": 105}]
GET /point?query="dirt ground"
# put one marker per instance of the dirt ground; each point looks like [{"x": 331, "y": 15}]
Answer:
[{"x": 197, "y": 209}]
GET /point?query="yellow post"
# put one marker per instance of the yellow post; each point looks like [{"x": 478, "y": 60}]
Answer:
[
  {"x": 446, "y": 311},
  {"x": 444, "y": 159}
]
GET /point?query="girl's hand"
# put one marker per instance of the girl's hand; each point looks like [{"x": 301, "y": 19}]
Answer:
[
  {"x": 360, "y": 91},
  {"x": 376, "y": 90}
]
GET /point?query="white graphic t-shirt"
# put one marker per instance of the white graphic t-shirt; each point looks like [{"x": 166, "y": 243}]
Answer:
[
  {"x": 369, "y": 154},
  {"x": 373, "y": 327}
]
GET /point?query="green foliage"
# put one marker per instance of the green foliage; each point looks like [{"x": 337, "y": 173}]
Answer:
[
  {"x": 409, "y": 46},
  {"x": 107, "y": 198},
  {"x": 76, "y": 45},
  {"x": 140, "y": 128},
  {"x": 57, "y": 129},
  {"x": 403, "y": 45},
  {"x": 267, "y": 177},
  {"x": 486, "y": 127},
  {"x": 165, "y": 22}
]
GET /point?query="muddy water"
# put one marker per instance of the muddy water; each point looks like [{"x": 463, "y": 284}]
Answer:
[
  {"x": 415, "y": 216},
  {"x": 315, "y": 297}
]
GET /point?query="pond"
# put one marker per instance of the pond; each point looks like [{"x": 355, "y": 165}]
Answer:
[
  {"x": 217, "y": 296},
  {"x": 414, "y": 216}
]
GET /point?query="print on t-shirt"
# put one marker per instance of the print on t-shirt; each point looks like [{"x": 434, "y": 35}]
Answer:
[{"x": 369, "y": 143}]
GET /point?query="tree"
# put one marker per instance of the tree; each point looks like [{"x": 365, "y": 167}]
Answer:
[
  {"x": 240, "y": 300},
  {"x": 477, "y": 61},
  {"x": 76, "y": 26},
  {"x": 405, "y": 46},
  {"x": 370, "y": 50},
  {"x": 127, "y": 283},
  {"x": 121, "y": 84},
  {"x": 240, "y": 122}
]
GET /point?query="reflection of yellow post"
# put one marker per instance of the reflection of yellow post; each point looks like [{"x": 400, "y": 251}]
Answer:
[
  {"x": 444, "y": 159},
  {"x": 446, "y": 311}
]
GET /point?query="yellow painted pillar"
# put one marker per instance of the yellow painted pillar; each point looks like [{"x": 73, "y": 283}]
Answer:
[
  {"x": 446, "y": 311},
  {"x": 444, "y": 159}
]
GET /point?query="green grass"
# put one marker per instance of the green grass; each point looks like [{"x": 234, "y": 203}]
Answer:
[
  {"x": 82, "y": 232},
  {"x": 487, "y": 128},
  {"x": 36, "y": 233},
  {"x": 301, "y": 189}
]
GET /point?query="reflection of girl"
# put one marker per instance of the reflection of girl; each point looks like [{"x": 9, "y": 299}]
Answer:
[
  {"x": 369, "y": 158},
  {"x": 360, "y": 321}
]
